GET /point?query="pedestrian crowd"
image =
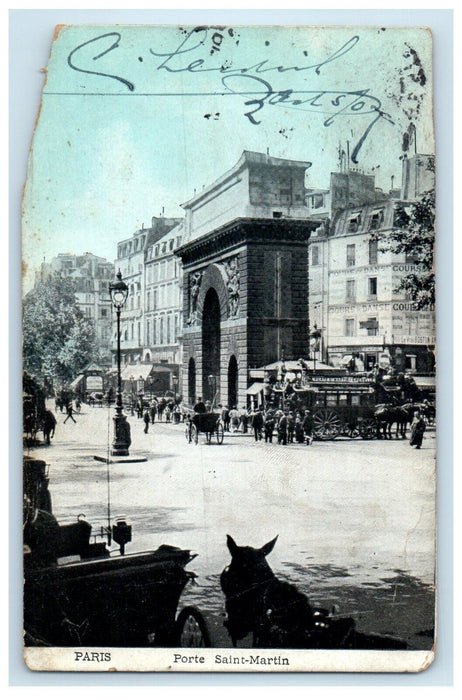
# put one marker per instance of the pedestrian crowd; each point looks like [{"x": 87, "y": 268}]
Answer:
[
  {"x": 162, "y": 410},
  {"x": 284, "y": 425}
]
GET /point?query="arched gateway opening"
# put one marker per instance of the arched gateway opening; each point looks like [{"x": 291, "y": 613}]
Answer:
[
  {"x": 211, "y": 338},
  {"x": 232, "y": 381}
]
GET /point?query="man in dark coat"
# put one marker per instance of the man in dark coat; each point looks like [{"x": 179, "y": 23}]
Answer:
[
  {"x": 257, "y": 424},
  {"x": 307, "y": 426},
  {"x": 70, "y": 412},
  {"x": 417, "y": 430},
  {"x": 290, "y": 427},
  {"x": 146, "y": 419},
  {"x": 269, "y": 427},
  {"x": 200, "y": 406},
  {"x": 282, "y": 429}
]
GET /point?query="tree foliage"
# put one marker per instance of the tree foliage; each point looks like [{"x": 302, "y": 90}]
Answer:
[
  {"x": 414, "y": 234},
  {"x": 58, "y": 341}
]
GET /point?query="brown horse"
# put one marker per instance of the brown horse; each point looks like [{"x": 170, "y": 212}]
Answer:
[
  {"x": 386, "y": 415},
  {"x": 277, "y": 614}
]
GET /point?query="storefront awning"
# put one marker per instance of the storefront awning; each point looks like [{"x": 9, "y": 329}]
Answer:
[
  {"x": 74, "y": 384},
  {"x": 255, "y": 388},
  {"x": 136, "y": 372}
]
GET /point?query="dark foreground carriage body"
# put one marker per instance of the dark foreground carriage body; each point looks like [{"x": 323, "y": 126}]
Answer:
[
  {"x": 77, "y": 593},
  {"x": 115, "y": 601}
]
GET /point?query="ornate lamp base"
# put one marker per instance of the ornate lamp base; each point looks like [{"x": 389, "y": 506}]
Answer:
[{"x": 122, "y": 438}]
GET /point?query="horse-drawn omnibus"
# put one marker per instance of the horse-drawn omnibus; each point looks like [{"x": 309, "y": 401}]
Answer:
[{"x": 341, "y": 403}]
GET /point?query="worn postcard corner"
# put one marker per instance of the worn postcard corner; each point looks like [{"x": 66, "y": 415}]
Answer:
[{"x": 229, "y": 351}]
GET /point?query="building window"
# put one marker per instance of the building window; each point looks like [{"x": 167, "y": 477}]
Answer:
[
  {"x": 315, "y": 255},
  {"x": 349, "y": 326},
  {"x": 148, "y": 301},
  {"x": 154, "y": 300},
  {"x": 372, "y": 287},
  {"x": 169, "y": 340},
  {"x": 103, "y": 313},
  {"x": 162, "y": 330},
  {"x": 376, "y": 220},
  {"x": 171, "y": 244},
  {"x": 411, "y": 362},
  {"x": 411, "y": 257},
  {"x": 350, "y": 290},
  {"x": 132, "y": 331},
  {"x": 354, "y": 223},
  {"x": 372, "y": 326},
  {"x": 411, "y": 325},
  {"x": 317, "y": 201},
  {"x": 148, "y": 332},
  {"x": 351, "y": 255},
  {"x": 373, "y": 250},
  {"x": 176, "y": 329}
]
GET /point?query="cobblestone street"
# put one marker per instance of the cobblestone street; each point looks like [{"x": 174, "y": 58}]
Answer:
[{"x": 355, "y": 518}]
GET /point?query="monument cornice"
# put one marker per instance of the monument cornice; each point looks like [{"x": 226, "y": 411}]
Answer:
[{"x": 243, "y": 231}]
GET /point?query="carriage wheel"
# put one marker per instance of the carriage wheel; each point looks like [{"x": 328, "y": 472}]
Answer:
[
  {"x": 351, "y": 430},
  {"x": 326, "y": 424},
  {"x": 187, "y": 433},
  {"x": 368, "y": 429},
  {"x": 191, "y": 629},
  {"x": 220, "y": 433},
  {"x": 194, "y": 434}
]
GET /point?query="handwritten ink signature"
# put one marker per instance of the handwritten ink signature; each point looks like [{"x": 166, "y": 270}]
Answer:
[{"x": 246, "y": 81}]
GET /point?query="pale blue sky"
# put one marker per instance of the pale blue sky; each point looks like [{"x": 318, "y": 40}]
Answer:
[{"x": 106, "y": 159}]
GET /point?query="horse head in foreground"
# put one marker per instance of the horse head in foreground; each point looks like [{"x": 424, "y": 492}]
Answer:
[{"x": 275, "y": 612}]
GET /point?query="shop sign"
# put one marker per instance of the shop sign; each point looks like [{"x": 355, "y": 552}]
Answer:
[
  {"x": 407, "y": 267},
  {"x": 414, "y": 339},
  {"x": 376, "y": 306},
  {"x": 94, "y": 383},
  {"x": 350, "y": 379}
]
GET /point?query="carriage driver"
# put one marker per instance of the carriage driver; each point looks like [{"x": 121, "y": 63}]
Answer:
[{"x": 200, "y": 406}]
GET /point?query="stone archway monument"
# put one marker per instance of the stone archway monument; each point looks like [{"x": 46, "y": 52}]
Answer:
[{"x": 245, "y": 296}]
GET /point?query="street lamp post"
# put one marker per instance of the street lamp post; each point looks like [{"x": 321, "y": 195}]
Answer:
[
  {"x": 122, "y": 440},
  {"x": 212, "y": 384}
]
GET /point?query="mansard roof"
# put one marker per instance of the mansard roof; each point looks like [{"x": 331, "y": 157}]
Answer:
[{"x": 362, "y": 215}]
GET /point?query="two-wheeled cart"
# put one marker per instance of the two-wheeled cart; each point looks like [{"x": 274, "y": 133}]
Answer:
[{"x": 208, "y": 423}]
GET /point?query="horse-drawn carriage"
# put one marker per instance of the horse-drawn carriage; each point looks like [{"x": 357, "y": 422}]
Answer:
[
  {"x": 208, "y": 423},
  {"x": 78, "y": 592},
  {"x": 34, "y": 409},
  {"x": 350, "y": 405}
]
